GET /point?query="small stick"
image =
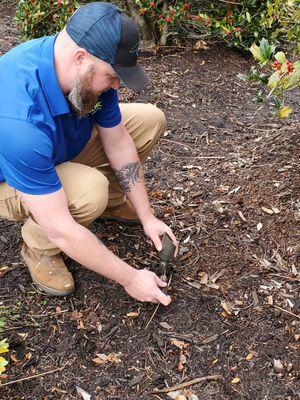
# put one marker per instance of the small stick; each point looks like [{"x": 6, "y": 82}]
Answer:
[
  {"x": 152, "y": 316},
  {"x": 157, "y": 306},
  {"x": 33, "y": 376},
  {"x": 186, "y": 384},
  {"x": 288, "y": 312}
]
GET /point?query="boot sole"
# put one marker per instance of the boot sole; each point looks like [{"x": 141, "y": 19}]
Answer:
[{"x": 46, "y": 289}]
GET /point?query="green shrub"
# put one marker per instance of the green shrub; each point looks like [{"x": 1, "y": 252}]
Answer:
[
  {"x": 279, "y": 74},
  {"x": 238, "y": 24},
  {"x": 39, "y": 18}
]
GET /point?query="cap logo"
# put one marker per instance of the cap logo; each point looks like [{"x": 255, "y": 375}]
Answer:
[{"x": 135, "y": 49}]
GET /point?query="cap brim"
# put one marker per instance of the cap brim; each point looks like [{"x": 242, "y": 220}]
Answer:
[{"x": 133, "y": 77}]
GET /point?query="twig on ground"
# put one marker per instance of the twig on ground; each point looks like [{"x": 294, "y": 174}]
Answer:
[
  {"x": 34, "y": 376},
  {"x": 157, "y": 306},
  {"x": 288, "y": 312},
  {"x": 187, "y": 384}
]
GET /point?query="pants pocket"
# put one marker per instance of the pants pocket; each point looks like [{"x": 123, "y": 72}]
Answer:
[{"x": 11, "y": 206}]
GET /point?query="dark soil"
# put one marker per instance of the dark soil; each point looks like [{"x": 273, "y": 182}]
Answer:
[{"x": 216, "y": 168}]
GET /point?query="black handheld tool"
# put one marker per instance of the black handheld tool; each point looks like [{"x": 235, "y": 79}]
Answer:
[{"x": 166, "y": 255}]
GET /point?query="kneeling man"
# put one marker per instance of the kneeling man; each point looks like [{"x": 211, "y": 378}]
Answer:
[{"x": 70, "y": 153}]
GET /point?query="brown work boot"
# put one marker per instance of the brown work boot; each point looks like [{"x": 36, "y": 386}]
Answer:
[
  {"x": 48, "y": 272},
  {"x": 123, "y": 213}
]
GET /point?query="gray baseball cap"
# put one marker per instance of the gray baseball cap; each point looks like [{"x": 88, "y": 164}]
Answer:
[{"x": 106, "y": 32}]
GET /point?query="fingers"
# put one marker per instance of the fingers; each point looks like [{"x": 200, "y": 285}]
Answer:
[
  {"x": 163, "y": 299},
  {"x": 160, "y": 282},
  {"x": 157, "y": 242}
]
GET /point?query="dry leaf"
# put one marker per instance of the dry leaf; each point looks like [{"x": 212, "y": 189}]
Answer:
[
  {"x": 195, "y": 285},
  {"x": 166, "y": 326},
  {"x": 235, "y": 380},
  {"x": 278, "y": 365},
  {"x": 103, "y": 358},
  {"x": 249, "y": 356},
  {"x": 192, "y": 397},
  {"x": 270, "y": 300},
  {"x": 201, "y": 44},
  {"x": 85, "y": 395},
  {"x": 174, "y": 394},
  {"x": 259, "y": 226},
  {"x": 179, "y": 343},
  {"x": 218, "y": 207},
  {"x": 3, "y": 270},
  {"x": 267, "y": 210},
  {"x": 213, "y": 286},
  {"x": 294, "y": 270},
  {"x": 242, "y": 216},
  {"x": 203, "y": 277},
  {"x": 224, "y": 314},
  {"x": 276, "y": 210},
  {"x": 225, "y": 308},
  {"x": 182, "y": 362},
  {"x": 133, "y": 314}
]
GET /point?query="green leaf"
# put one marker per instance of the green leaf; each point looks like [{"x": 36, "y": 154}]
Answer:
[
  {"x": 3, "y": 363},
  {"x": 277, "y": 103},
  {"x": 284, "y": 112},
  {"x": 256, "y": 52},
  {"x": 266, "y": 49},
  {"x": 280, "y": 57},
  {"x": 292, "y": 79},
  {"x": 273, "y": 80},
  {"x": 4, "y": 346},
  {"x": 248, "y": 16}
]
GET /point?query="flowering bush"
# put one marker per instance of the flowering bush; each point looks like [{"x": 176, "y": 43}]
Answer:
[
  {"x": 238, "y": 23},
  {"x": 281, "y": 75},
  {"x": 39, "y": 18}
]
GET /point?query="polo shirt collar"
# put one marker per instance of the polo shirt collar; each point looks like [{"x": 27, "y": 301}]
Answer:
[{"x": 54, "y": 95}]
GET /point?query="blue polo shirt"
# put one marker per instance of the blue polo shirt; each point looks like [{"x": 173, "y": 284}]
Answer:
[{"x": 37, "y": 127}]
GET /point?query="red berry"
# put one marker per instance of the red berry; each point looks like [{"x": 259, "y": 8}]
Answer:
[
  {"x": 152, "y": 4},
  {"x": 199, "y": 18},
  {"x": 172, "y": 12},
  {"x": 187, "y": 6},
  {"x": 169, "y": 19}
]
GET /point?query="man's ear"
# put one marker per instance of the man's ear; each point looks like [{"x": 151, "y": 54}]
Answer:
[{"x": 80, "y": 56}]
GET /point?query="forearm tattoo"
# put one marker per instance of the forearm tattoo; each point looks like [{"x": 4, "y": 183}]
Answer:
[{"x": 128, "y": 175}]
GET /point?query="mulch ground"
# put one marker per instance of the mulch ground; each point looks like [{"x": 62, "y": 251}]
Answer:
[{"x": 226, "y": 179}]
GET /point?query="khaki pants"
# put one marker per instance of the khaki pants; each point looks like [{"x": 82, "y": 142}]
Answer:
[{"x": 88, "y": 181}]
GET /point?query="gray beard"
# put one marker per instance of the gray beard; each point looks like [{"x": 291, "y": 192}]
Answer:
[
  {"x": 82, "y": 102},
  {"x": 81, "y": 98}
]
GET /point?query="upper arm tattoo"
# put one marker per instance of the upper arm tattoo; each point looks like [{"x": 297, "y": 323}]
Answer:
[{"x": 129, "y": 175}]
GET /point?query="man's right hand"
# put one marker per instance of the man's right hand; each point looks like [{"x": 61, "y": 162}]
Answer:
[{"x": 145, "y": 285}]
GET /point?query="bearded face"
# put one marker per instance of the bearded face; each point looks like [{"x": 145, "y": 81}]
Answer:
[{"x": 82, "y": 97}]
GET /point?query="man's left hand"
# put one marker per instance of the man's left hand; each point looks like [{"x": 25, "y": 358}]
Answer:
[{"x": 154, "y": 229}]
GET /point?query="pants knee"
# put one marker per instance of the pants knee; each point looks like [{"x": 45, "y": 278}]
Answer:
[
  {"x": 158, "y": 117},
  {"x": 92, "y": 198}
]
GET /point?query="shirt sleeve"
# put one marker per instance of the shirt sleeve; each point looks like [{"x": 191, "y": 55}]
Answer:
[
  {"x": 26, "y": 158},
  {"x": 109, "y": 114}
]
